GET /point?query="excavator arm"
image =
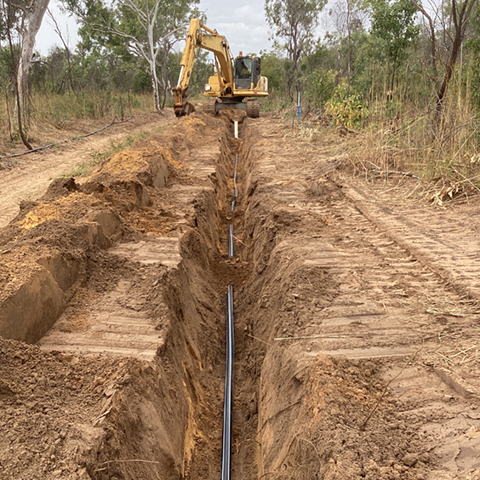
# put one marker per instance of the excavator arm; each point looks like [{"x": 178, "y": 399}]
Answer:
[{"x": 200, "y": 36}]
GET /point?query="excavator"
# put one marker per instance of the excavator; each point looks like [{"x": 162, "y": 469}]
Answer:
[{"x": 234, "y": 79}]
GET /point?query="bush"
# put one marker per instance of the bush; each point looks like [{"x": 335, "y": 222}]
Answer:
[
  {"x": 319, "y": 86},
  {"x": 346, "y": 107}
]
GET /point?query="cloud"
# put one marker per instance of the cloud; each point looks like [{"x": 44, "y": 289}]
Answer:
[{"x": 245, "y": 26}]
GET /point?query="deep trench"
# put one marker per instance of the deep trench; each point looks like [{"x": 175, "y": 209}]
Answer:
[
  {"x": 184, "y": 409},
  {"x": 230, "y": 270},
  {"x": 226, "y": 269}
]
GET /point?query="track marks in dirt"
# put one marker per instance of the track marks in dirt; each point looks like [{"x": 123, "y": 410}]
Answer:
[{"x": 378, "y": 303}]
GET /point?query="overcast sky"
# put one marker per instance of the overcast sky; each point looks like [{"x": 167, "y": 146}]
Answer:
[{"x": 243, "y": 23}]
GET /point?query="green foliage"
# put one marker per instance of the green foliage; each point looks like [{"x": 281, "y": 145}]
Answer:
[
  {"x": 136, "y": 33},
  {"x": 319, "y": 86},
  {"x": 346, "y": 107},
  {"x": 473, "y": 48},
  {"x": 202, "y": 70},
  {"x": 293, "y": 23},
  {"x": 5, "y": 67},
  {"x": 273, "y": 67},
  {"x": 393, "y": 22}
]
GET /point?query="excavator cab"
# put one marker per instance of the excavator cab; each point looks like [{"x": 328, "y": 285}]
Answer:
[{"x": 247, "y": 72}]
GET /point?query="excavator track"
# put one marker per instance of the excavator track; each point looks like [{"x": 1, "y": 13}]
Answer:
[
  {"x": 209, "y": 105},
  {"x": 253, "y": 108}
]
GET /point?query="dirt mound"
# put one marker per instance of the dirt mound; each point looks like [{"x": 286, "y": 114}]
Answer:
[
  {"x": 338, "y": 421},
  {"x": 99, "y": 417},
  {"x": 45, "y": 248},
  {"x": 53, "y": 406}
]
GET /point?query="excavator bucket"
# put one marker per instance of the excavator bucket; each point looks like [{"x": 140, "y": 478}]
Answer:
[{"x": 184, "y": 107}]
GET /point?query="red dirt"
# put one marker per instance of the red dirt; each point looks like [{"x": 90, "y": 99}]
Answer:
[{"x": 356, "y": 307}]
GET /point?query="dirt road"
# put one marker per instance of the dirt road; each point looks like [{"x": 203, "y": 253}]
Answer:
[
  {"x": 357, "y": 336},
  {"x": 29, "y": 176}
]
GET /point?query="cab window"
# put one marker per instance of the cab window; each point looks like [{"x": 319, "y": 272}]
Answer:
[{"x": 243, "y": 67}]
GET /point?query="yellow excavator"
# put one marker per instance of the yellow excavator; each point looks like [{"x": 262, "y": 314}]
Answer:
[{"x": 234, "y": 80}]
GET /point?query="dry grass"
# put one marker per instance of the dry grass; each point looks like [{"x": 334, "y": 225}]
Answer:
[
  {"x": 53, "y": 117},
  {"x": 444, "y": 153}
]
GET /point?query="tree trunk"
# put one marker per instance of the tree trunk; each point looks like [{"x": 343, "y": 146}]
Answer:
[
  {"x": 457, "y": 43},
  {"x": 459, "y": 19},
  {"x": 155, "y": 86},
  {"x": 34, "y": 17},
  {"x": 152, "y": 60},
  {"x": 17, "y": 97}
]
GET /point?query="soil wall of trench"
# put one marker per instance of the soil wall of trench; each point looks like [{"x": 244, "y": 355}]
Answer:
[
  {"x": 300, "y": 414},
  {"x": 293, "y": 411},
  {"x": 108, "y": 417}
]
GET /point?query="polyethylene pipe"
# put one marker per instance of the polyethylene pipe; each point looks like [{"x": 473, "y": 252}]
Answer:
[
  {"x": 230, "y": 249},
  {"x": 227, "y": 402},
  {"x": 236, "y": 128}
]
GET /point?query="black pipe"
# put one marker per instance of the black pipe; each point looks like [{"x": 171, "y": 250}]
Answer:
[{"x": 227, "y": 403}]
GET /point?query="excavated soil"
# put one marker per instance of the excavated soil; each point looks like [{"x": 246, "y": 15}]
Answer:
[{"x": 357, "y": 339}]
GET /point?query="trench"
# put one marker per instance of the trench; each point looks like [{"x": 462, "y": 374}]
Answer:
[
  {"x": 166, "y": 420},
  {"x": 305, "y": 379},
  {"x": 184, "y": 410}
]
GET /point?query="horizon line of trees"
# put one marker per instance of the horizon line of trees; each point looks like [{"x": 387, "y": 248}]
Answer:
[{"x": 396, "y": 49}]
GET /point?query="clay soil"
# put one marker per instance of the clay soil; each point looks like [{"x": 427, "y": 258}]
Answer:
[{"x": 357, "y": 303}]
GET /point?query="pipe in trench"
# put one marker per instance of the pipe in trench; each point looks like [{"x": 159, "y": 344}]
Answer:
[
  {"x": 230, "y": 248},
  {"x": 227, "y": 402}
]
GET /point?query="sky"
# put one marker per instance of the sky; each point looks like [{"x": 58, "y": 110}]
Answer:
[{"x": 243, "y": 23}]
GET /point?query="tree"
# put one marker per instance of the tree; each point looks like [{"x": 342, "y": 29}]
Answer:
[
  {"x": 293, "y": 22},
  {"x": 459, "y": 13},
  {"x": 149, "y": 30},
  {"x": 473, "y": 48},
  {"x": 10, "y": 16},
  {"x": 394, "y": 23},
  {"x": 33, "y": 14},
  {"x": 25, "y": 20},
  {"x": 347, "y": 18}
]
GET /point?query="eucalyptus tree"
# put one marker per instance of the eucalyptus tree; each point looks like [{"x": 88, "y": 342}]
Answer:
[
  {"x": 147, "y": 28},
  {"x": 293, "y": 24},
  {"x": 19, "y": 26},
  {"x": 20, "y": 22},
  {"x": 32, "y": 17}
]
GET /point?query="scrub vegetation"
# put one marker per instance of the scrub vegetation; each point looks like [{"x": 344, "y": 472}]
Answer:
[{"x": 401, "y": 75}]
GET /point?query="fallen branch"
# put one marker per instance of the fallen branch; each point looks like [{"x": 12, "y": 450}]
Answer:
[{"x": 406, "y": 174}]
